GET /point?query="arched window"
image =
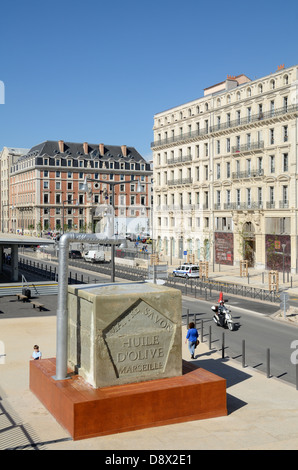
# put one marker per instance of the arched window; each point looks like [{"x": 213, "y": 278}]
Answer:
[
  {"x": 272, "y": 84},
  {"x": 286, "y": 79},
  {"x": 260, "y": 88},
  {"x": 248, "y": 92}
]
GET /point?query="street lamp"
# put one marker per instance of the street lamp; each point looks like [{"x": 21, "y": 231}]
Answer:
[
  {"x": 69, "y": 201},
  {"x": 3, "y": 205},
  {"x": 112, "y": 185},
  {"x": 283, "y": 262}
]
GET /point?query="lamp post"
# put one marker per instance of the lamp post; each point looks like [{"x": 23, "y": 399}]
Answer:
[
  {"x": 283, "y": 262},
  {"x": 112, "y": 185},
  {"x": 3, "y": 205},
  {"x": 69, "y": 201}
]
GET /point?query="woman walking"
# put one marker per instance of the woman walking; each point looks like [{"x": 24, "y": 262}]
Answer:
[{"x": 192, "y": 336}]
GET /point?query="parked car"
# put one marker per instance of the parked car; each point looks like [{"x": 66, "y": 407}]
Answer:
[
  {"x": 187, "y": 270},
  {"x": 75, "y": 254}
]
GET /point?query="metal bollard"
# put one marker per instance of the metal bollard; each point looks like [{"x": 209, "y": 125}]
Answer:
[
  {"x": 243, "y": 353},
  {"x": 202, "y": 331},
  {"x": 223, "y": 346},
  {"x": 268, "y": 363},
  {"x": 210, "y": 331},
  {"x": 187, "y": 317}
]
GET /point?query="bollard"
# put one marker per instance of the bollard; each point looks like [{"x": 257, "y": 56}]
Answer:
[
  {"x": 187, "y": 317},
  {"x": 268, "y": 363},
  {"x": 243, "y": 353},
  {"x": 210, "y": 337},
  {"x": 223, "y": 346},
  {"x": 205, "y": 293},
  {"x": 202, "y": 331},
  {"x": 297, "y": 376}
]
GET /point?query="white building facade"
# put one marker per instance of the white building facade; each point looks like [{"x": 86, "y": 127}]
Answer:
[{"x": 225, "y": 174}]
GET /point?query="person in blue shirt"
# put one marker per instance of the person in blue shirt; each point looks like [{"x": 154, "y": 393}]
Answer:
[{"x": 192, "y": 336}]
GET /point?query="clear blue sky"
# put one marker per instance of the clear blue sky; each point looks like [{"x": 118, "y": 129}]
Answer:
[{"x": 98, "y": 71}]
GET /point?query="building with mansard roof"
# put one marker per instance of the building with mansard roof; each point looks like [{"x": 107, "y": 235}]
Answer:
[{"x": 47, "y": 188}]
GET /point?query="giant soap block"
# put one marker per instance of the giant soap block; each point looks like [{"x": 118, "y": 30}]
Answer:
[{"x": 122, "y": 333}]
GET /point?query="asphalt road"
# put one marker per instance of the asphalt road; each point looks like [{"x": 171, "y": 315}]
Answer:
[
  {"x": 259, "y": 331},
  {"x": 254, "y": 325}
]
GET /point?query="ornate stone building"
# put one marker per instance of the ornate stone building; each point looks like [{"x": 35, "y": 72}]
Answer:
[{"x": 225, "y": 174}]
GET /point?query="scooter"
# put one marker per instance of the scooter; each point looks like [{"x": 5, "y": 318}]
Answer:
[{"x": 222, "y": 316}]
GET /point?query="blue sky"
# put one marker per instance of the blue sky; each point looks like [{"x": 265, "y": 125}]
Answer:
[{"x": 98, "y": 71}]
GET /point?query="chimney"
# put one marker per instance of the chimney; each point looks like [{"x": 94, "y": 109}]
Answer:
[
  {"x": 85, "y": 146},
  {"x": 101, "y": 149},
  {"x": 61, "y": 146},
  {"x": 124, "y": 150}
]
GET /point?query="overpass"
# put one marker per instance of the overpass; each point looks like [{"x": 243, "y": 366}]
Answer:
[{"x": 13, "y": 241}]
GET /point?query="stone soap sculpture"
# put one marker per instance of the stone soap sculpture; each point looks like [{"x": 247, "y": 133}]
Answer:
[{"x": 124, "y": 332}]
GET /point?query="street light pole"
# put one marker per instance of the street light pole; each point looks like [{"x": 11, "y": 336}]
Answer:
[
  {"x": 112, "y": 184},
  {"x": 63, "y": 202},
  {"x": 283, "y": 262}
]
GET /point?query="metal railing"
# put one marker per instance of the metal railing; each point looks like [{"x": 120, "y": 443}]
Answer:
[{"x": 244, "y": 121}]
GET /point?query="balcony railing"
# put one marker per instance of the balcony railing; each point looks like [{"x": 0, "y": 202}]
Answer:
[
  {"x": 243, "y": 205},
  {"x": 248, "y": 147},
  {"x": 179, "y": 181},
  {"x": 247, "y": 174},
  {"x": 244, "y": 121},
  {"x": 181, "y": 159}
]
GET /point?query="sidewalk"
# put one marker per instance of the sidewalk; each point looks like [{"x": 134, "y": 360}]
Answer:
[{"x": 262, "y": 412}]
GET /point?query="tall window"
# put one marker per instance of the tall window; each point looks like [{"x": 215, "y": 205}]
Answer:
[
  {"x": 248, "y": 197},
  {"x": 271, "y": 195},
  {"x": 260, "y": 197},
  {"x": 285, "y": 162},
  {"x": 238, "y": 197},
  {"x": 272, "y": 163}
]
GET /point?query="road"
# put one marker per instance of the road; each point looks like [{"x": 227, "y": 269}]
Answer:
[
  {"x": 254, "y": 325},
  {"x": 258, "y": 330}
]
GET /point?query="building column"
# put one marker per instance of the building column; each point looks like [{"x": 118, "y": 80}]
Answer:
[
  {"x": 1, "y": 258},
  {"x": 14, "y": 263}
]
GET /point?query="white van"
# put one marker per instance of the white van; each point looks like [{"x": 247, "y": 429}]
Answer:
[
  {"x": 94, "y": 256},
  {"x": 187, "y": 270}
]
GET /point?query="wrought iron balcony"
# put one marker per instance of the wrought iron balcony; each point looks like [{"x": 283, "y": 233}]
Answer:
[
  {"x": 248, "y": 147},
  {"x": 247, "y": 174},
  {"x": 179, "y": 181},
  {"x": 244, "y": 121}
]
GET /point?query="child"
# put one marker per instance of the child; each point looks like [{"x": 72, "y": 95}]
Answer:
[{"x": 36, "y": 352}]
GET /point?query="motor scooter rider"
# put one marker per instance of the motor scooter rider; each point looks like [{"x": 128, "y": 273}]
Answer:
[{"x": 221, "y": 314}]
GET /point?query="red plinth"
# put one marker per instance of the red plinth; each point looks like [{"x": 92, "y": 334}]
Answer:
[{"x": 88, "y": 412}]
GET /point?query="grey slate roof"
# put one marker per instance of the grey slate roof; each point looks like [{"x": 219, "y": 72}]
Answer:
[{"x": 76, "y": 150}]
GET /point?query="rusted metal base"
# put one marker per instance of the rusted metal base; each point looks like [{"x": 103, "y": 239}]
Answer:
[{"x": 88, "y": 412}]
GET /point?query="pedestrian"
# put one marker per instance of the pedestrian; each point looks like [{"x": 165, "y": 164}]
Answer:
[
  {"x": 36, "y": 352},
  {"x": 192, "y": 337}
]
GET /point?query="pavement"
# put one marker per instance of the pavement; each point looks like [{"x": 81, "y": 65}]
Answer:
[{"x": 262, "y": 412}]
